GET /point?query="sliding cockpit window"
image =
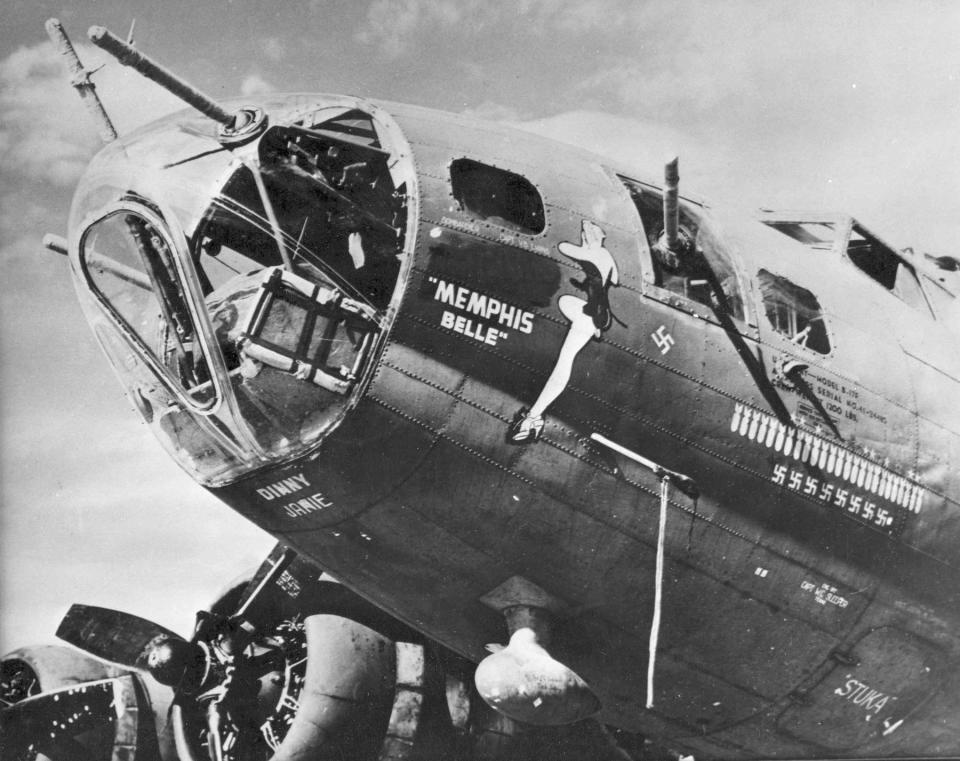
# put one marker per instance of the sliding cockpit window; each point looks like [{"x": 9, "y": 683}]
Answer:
[{"x": 886, "y": 267}]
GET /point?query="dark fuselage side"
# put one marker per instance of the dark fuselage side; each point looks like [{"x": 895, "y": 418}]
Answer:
[{"x": 776, "y": 597}]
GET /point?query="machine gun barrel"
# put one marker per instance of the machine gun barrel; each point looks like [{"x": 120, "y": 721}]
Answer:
[
  {"x": 130, "y": 56},
  {"x": 80, "y": 79},
  {"x": 671, "y": 204}
]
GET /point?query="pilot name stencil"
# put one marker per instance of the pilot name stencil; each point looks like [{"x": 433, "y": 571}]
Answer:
[
  {"x": 305, "y": 505},
  {"x": 487, "y": 308},
  {"x": 518, "y": 241},
  {"x": 825, "y": 593},
  {"x": 456, "y": 224},
  {"x": 284, "y": 487}
]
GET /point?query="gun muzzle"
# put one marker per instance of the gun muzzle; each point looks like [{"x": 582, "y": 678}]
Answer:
[
  {"x": 130, "y": 56},
  {"x": 671, "y": 204},
  {"x": 80, "y": 80}
]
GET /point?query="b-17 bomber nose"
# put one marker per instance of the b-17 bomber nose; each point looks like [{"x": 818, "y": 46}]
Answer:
[{"x": 243, "y": 319}]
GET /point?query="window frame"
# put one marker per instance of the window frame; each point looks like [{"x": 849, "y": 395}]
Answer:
[
  {"x": 828, "y": 329},
  {"x": 512, "y": 228},
  {"x": 747, "y": 325},
  {"x": 168, "y": 228},
  {"x": 844, "y": 227},
  {"x": 853, "y": 226}
]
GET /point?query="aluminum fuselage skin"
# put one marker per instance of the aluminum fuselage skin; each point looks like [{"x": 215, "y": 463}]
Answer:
[{"x": 797, "y": 621}]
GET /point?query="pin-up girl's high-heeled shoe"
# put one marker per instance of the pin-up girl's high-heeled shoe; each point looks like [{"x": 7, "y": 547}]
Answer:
[{"x": 525, "y": 428}]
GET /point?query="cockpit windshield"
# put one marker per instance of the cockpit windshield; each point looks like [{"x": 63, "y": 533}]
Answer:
[
  {"x": 865, "y": 251},
  {"x": 254, "y": 328}
]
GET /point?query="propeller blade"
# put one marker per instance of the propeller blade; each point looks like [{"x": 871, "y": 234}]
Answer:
[
  {"x": 113, "y": 635},
  {"x": 259, "y": 599},
  {"x": 49, "y": 722}
]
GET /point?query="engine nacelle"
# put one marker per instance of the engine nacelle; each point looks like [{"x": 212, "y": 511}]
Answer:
[
  {"x": 321, "y": 674},
  {"x": 64, "y": 705}
]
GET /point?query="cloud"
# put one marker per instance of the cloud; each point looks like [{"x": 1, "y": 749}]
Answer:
[
  {"x": 702, "y": 60},
  {"x": 820, "y": 105},
  {"x": 273, "y": 48},
  {"x": 823, "y": 105},
  {"x": 46, "y": 134},
  {"x": 47, "y": 137},
  {"x": 580, "y": 16},
  {"x": 254, "y": 84},
  {"x": 629, "y": 143},
  {"x": 46, "y": 130},
  {"x": 146, "y": 549},
  {"x": 390, "y": 24},
  {"x": 39, "y": 134}
]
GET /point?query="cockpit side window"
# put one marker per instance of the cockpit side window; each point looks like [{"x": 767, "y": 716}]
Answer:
[
  {"x": 793, "y": 312},
  {"x": 130, "y": 265},
  {"x": 498, "y": 196},
  {"x": 702, "y": 270},
  {"x": 886, "y": 267}
]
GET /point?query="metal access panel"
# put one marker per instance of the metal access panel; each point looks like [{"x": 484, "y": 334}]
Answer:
[{"x": 868, "y": 693}]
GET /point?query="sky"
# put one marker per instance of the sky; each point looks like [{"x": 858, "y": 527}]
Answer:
[{"x": 845, "y": 106}]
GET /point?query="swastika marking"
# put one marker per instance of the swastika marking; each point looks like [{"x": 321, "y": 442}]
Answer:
[{"x": 662, "y": 339}]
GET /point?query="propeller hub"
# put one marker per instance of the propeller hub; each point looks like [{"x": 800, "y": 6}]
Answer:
[{"x": 170, "y": 660}]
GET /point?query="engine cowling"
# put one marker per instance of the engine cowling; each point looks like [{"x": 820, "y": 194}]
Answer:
[
  {"x": 354, "y": 683},
  {"x": 287, "y": 665},
  {"x": 67, "y": 706}
]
